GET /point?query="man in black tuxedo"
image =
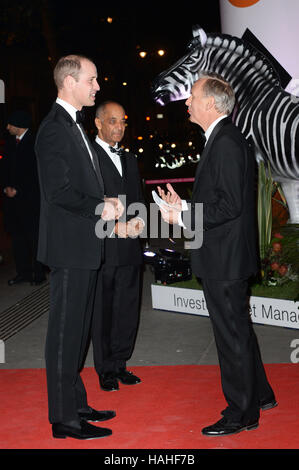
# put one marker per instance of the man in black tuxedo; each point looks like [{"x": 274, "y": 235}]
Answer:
[
  {"x": 224, "y": 184},
  {"x": 21, "y": 198},
  {"x": 71, "y": 189},
  {"x": 116, "y": 315}
]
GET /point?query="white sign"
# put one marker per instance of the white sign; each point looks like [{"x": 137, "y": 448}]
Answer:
[
  {"x": 276, "y": 312},
  {"x": 273, "y": 22}
]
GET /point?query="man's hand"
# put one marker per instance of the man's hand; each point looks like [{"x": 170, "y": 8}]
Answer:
[
  {"x": 171, "y": 197},
  {"x": 170, "y": 215},
  {"x": 113, "y": 209},
  {"x": 121, "y": 230},
  {"x": 135, "y": 227},
  {"x": 10, "y": 192}
]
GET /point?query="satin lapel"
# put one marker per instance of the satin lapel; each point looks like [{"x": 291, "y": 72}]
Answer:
[
  {"x": 123, "y": 160},
  {"x": 82, "y": 144},
  {"x": 205, "y": 154},
  {"x": 106, "y": 159},
  {"x": 72, "y": 126}
]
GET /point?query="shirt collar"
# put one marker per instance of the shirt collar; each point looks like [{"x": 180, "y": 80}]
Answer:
[
  {"x": 20, "y": 137},
  {"x": 212, "y": 126},
  {"x": 68, "y": 107},
  {"x": 104, "y": 144}
]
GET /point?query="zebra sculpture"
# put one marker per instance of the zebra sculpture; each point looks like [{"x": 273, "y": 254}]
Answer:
[{"x": 265, "y": 113}]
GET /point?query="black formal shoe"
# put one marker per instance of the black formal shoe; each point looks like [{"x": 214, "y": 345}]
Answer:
[
  {"x": 268, "y": 404},
  {"x": 223, "y": 427},
  {"x": 17, "y": 280},
  {"x": 108, "y": 382},
  {"x": 93, "y": 415},
  {"x": 85, "y": 431},
  {"x": 126, "y": 377}
]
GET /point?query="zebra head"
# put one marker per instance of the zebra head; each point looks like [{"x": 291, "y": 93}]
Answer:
[{"x": 175, "y": 83}]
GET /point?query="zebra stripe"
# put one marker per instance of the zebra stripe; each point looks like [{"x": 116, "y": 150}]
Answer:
[{"x": 265, "y": 113}]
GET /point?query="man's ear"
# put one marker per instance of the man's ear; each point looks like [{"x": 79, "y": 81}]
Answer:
[
  {"x": 210, "y": 103},
  {"x": 98, "y": 123},
  {"x": 69, "y": 82}
]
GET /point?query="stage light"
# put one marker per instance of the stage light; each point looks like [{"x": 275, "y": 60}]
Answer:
[
  {"x": 161, "y": 52},
  {"x": 109, "y": 19},
  {"x": 125, "y": 83},
  {"x": 142, "y": 54}
]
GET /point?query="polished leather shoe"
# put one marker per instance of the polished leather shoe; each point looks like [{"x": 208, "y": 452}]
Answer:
[
  {"x": 126, "y": 377},
  {"x": 108, "y": 382},
  {"x": 93, "y": 415},
  {"x": 223, "y": 427},
  {"x": 84, "y": 431},
  {"x": 17, "y": 280}
]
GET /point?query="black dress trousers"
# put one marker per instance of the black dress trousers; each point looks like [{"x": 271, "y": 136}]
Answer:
[
  {"x": 72, "y": 297},
  {"x": 244, "y": 381},
  {"x": 116, "y": 316}
]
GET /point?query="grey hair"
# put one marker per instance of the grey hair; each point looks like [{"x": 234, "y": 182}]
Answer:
[{"x": 222, "y": 92}]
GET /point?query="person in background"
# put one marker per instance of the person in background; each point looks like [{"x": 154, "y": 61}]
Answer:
[
  {"x": 116, "y": 313},
  {"x": 22, "y": 198}
]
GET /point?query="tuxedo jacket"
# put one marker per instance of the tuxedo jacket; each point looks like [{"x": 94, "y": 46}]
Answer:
[
  {"x": 19, "y": 170},
  {"x": 225, "y": 183},
  {"x": 71, "y": 188},
  {"x": 121, "y": 251}
]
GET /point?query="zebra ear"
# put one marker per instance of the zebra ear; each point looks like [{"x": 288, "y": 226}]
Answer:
[{"x": 200, "y": 34}]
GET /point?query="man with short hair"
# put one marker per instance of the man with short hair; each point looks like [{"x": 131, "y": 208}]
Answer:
[
  {"x": 71, "y": 189},
  {"x": 116, "y": 313},
  {"x": 224, "y": 184}
]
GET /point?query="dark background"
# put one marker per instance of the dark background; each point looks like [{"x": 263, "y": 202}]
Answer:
[{"x": 35, "y": 33}]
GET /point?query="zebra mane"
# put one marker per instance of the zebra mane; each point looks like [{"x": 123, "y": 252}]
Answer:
[{"x": 238, "y": 46}]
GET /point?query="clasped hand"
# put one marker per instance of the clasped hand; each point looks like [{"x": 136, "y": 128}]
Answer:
[
  {"x": 133, "y": 228},
  {"x": 113, "y": 209}
]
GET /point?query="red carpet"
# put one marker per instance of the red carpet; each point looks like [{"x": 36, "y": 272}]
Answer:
[{"x": 166, "y": 411}]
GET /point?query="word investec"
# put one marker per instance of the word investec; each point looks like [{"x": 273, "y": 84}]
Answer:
[{"x": 187, "y": 302}]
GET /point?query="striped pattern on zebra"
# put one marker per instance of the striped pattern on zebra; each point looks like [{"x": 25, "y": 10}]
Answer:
[{"x": 264, "y": 113}]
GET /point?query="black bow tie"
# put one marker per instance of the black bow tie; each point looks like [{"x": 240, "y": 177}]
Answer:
[
  {"x": 80, "y": 117},
  {"x": 119, "y": 151}
]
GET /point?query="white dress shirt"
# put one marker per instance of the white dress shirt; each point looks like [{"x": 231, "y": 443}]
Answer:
[
  {"x": 114, "y": 156},
  {"x": 72, "y": 111}
]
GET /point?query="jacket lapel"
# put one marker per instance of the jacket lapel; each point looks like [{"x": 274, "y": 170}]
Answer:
[
  {"x": 206, "y": 151},
  {"x": 106, "y": 160},
  {"x": 74, "y": 130}
]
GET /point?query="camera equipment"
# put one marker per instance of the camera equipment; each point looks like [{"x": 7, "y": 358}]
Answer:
[{"x": 169, "y": 266}]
